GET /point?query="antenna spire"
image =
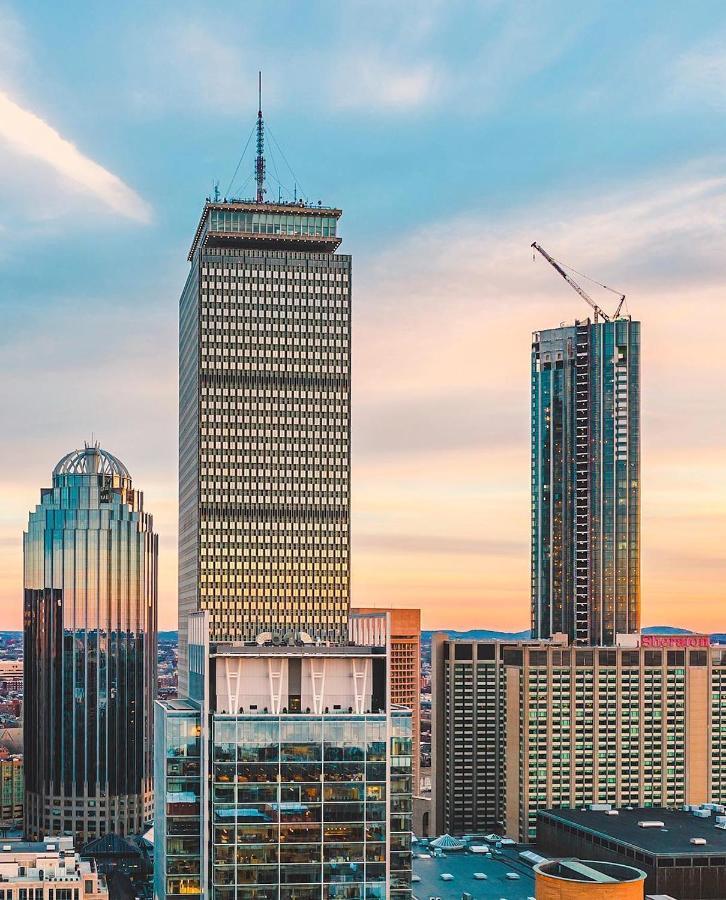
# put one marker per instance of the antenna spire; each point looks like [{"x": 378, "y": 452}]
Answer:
[{"x": 260, "y": 161}]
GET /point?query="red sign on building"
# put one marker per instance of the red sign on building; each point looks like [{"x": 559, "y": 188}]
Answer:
[{"x": 674, "y": 641}]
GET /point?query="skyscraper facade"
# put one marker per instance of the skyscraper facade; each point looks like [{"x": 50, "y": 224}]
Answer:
[
  {"x": 283, "y": 769},
  {"x": 264, "y": 424},
  {"x": 586, "y": 481},
  {"x": 90, "y": 616}
]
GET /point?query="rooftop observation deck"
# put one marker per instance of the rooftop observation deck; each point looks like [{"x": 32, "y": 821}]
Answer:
[{"x": 270, "y": 226}]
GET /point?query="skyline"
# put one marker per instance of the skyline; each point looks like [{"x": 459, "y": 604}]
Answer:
[{"x": 440, "y": 492}]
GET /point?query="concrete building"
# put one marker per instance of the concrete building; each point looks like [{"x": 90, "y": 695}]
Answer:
[
  {"x": 90, "y": 618},
  {"x": 264, "y": 424},
  {"x": 48, "y": 870},
  {"x": 586, "y": 481},
  {"x": 522, "y": 726},
  {"x": 681, "y": 852},
  {"x": 572, "y": 879},
  {"x": 405, "y": 669},
  {"x": 11, "y": 676},
  {"x": 12, "y": 790}
]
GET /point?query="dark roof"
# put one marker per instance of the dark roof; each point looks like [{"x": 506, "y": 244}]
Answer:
[
  {"x": 112, "y": 845},
  {"x": 680, "y": 827}
]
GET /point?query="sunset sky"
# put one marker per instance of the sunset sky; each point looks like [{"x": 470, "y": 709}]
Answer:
[{"x": 452, "y": 135}]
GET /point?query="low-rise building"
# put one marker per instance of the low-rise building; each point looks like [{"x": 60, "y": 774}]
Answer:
[
  {"x": 48, "y": 870},
  {"x": 682, "y": 852},
  {"x": 572, "y": 879}
]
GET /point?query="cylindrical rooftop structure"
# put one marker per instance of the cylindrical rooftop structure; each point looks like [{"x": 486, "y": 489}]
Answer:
[{"x": 571, "y": 879}]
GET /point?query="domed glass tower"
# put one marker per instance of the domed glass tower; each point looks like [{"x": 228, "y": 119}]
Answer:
[{"x": 90, "y": 581}]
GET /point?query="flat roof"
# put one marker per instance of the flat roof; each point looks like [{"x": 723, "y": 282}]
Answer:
[
  {"x": 671, "y": 840},
  {"x": 462, "y": 864},
  {"x": 342, "y": 650}
]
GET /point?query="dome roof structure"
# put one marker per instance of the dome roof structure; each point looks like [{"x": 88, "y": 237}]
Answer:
[{"x": 91, "y": 460}]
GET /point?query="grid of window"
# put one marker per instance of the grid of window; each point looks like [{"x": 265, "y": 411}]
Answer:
[
  {"x": 585, "y": 457},
  {"x": 270, "y": 438},
  {"x": 301, "y": 802}
]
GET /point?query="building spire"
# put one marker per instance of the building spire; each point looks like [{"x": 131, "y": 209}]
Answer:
[{"x": 260, "y": 161}]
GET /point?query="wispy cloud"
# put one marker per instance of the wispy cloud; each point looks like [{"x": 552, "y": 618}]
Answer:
[
  {"x": 441, "y": 421},
  {"x": 370, "y": 80},
  {"x": 31, "y": 138},
  {"x": 699, "y": 74}
]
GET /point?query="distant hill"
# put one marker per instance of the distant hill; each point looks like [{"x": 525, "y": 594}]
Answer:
[
  {"x": 485, "y": 634},
  {"x": 478, "y": 634}
]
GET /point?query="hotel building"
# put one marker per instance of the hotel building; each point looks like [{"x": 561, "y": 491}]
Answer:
[{"x": 522, "y": 726}]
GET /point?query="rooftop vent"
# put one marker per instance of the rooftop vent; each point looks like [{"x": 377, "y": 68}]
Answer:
[
  {"x": 698, "y": 841},
  {"x": 650, "y": 823}
]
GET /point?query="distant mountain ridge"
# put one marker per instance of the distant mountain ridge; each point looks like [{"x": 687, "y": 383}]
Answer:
[{"x": 485, "y": 634}]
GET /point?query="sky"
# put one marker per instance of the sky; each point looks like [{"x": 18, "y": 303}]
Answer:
[{"x": 452, "y": 134}]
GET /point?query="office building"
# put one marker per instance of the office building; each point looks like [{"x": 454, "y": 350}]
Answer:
[
  {"x": 522, "y": 726},
  {"x": 264, "y": 424},
  {"x": 48, "y": 870},
  {"x": 305, "y": 784},
  {"x": 682, "y": 852},
  {"x": 11, "y": 677},
  {"x": 405, "y": 667},
  {"x": 90, "y": 574},
  {"x": 586, "y": 481},
  {"x": 12, "y": 790},
  {"x": 283, "y": 770}
]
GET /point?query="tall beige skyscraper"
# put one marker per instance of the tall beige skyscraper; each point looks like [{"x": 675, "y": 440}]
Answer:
[{"x": 264, "y": 424}]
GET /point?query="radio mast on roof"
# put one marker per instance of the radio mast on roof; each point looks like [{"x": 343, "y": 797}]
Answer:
[{"x": 260, "y": 161}]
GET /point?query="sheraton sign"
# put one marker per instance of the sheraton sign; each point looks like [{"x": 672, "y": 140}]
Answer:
[{"x": 674, "y": 641}]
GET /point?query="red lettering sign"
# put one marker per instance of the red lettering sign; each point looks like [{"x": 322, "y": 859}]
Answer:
[{"x": 674, "y": 641}]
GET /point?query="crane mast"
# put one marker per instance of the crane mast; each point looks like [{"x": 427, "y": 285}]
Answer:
[{"x": 598, "y": 311}]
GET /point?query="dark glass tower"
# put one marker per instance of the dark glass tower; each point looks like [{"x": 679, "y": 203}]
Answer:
[
  {"x": 586, "y": 481},
  {"x": 90, "y": 612},
  {"x": 264, "y": 425}
]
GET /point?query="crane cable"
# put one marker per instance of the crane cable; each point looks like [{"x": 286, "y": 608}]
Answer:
[{"x": 582, "y": 275}]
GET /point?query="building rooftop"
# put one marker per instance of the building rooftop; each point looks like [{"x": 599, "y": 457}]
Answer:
[
  {"x": 672, "y": 839},
  {"x": 91, "y": 460},
  {"x": 313, "y": 649},
  {"x": 462, "y": 864},
  {"x": 276, "y": 226}
]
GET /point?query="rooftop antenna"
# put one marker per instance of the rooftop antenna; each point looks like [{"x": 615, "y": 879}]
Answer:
[
  {"x": 216, "y": 192},
  {"x": 260, "y": 161}
]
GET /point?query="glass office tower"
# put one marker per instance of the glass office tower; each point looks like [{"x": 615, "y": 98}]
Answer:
[
  {"x": 90, "y": 612},
  {"x": 287, "y": 775},
  {"x": 586, "y": 481},
  {"x": 264, "y": 424}
]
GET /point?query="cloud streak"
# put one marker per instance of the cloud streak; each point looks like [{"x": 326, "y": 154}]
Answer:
[{"x": 30, "y": 137}]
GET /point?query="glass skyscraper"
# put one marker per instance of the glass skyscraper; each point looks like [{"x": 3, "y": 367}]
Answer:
[
  {"x": 90, "y": 609},
  {"x": 264, "y": 424},
  {"x": 282, "y": 781},
  {"x": 586, "y": 481}
]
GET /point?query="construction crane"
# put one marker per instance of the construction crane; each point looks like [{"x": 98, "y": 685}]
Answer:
[{"x": 599, "y": 311}]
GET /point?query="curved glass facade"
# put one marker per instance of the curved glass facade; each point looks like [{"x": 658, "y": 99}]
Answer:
[{"x": 90, "y": 610}]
